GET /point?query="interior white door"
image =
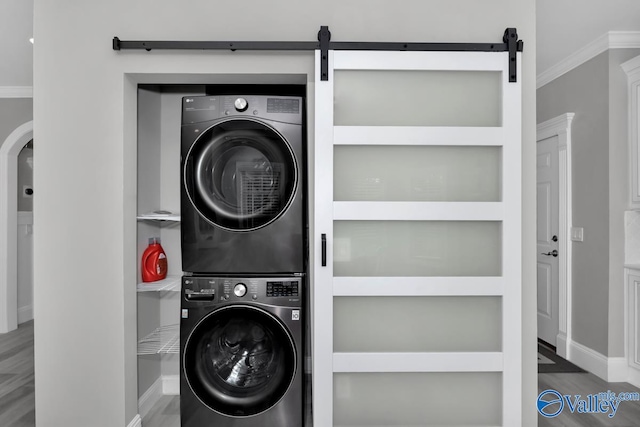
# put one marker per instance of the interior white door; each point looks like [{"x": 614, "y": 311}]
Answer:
[{"x": 547, "y": 239}]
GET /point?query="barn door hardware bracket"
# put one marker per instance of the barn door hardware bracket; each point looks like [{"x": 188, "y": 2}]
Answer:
[
  {"x": 514, "y": 45},
  {"x": 324, "y": 37},
  {"x": 510, "y": 44}
]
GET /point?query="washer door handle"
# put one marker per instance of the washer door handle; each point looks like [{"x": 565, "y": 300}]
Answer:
[{"x": 324, "y": 249}]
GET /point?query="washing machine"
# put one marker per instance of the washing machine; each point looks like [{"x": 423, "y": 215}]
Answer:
[
  {"x": 243, "y": 206},
  {"x": 241, "y": 346}
]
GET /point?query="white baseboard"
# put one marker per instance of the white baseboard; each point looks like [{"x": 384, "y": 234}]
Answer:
[
  {"x": 25, "y": 313},
  {"x": 136, "y": 421},
  {"x": 610, "y": 369},
  {"x": 171, "y": 385},
  {"x": 150, "y": 397},
  {"x": 617, "y": 370},
  {"x": 588, "y": 359},
  {"x": 16, "y": 91},
  {"x": 561, "y": 345},
  {"x": 164, "y": 385}
]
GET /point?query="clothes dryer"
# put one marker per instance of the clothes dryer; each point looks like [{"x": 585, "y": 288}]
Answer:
[
  {"x": 243, "y": 189},
  {"x": 241, "y": 343}
]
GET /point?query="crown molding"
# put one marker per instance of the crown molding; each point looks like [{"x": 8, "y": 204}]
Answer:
[
  {"x": 609, "y": 40},
  {"x": 16, "y": 91}
]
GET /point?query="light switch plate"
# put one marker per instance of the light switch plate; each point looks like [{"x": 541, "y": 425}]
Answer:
[{"x": 577, "y": 234}]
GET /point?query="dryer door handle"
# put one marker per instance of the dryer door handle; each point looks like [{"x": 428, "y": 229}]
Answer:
[{"x": 324, "y": 249}]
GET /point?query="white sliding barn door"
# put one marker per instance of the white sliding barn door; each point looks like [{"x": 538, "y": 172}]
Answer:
[{"x": 417, "y": 310}]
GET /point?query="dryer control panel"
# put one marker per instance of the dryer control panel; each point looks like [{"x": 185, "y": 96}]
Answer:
[{"x": 202, "y": 108}]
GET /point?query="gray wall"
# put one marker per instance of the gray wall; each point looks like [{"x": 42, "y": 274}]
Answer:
[
  {"x": 585, "y": 92},
  {"x": 596, "y": 93},
  {"x": 85, "y": 248},
  {"x": 16, "y": 67},
  {"x": 13, "y": 113}
]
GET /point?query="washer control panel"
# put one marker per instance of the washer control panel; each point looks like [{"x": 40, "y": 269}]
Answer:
[
  {"x": 240, "y": 290},
  {"x": 228, "y": 289},
  {"x": 279, "y": 288}
]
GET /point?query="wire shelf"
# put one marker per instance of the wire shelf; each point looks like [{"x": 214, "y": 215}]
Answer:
[
  {"x": 159, "y": 216},
  {"x": 163, "y": 340},
  {"x": 169, "y": 284}
]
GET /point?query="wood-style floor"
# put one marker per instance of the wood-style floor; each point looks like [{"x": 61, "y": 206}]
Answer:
[
  {"x": 17, "y": 403},
  {"x": 584, "y": 384}
]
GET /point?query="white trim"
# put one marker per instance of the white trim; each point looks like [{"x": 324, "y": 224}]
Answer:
[
  {"x": 322, "y": 298},
  {"x": 415, "y": 135},
  {"x": 166, "y": 385},
  {"x": 150, "y": 397},
  {"x": 632, "y": 69},
  {"x": 560, "y": 126},
  {"x": 136, "y": 421},
  {"x": 9, "y": 224},
  {"x": 633, "y": 376},
  {"x": 432, "y": 61},
  {"x": 394, "y": 425},
  {"x": 588, "y": 359},
  {"x": 632, "y": 321},
  {"x": 16, "y": 91},
  {"x": 617, "y": 369},
  {"x": 609, "y": 40},
  {"x": 418, "y": 362},
  {"x": 512, "y": 246},
  {"x": 610, "y": 369},
  {"x": 418, "y": 286},
  {"x": 25, "y": 314},
  {"x": 419, "y": 211},
  {"x": 632, "y": 66},
  {"x": 552, "y": 127},
  {"x": 171, "y": 385}
]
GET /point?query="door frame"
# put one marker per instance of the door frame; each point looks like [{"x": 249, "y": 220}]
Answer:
[
  {"x": 8, "y": 224},
  {"x": 560, "y": 127}
]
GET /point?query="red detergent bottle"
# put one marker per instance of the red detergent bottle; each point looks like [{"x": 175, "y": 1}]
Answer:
[{"x": 154, "y": 262}]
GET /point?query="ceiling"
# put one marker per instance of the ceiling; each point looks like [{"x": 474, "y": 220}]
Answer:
[
  {"x": 16, "y": 27},
  {"x": 563, "y": 26}
]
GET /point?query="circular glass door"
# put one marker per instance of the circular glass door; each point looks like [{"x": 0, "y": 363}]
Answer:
[
  {"x": 239, "y": 361},
  {"x": 240, "y": 174}
]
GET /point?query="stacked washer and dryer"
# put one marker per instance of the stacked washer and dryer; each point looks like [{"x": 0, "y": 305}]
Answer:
[{"x": 244, "y": 245}]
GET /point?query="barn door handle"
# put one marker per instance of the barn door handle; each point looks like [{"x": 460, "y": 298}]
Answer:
[
  {"x": 324, "y": 250},
  {"x": 553, "y": 253}
]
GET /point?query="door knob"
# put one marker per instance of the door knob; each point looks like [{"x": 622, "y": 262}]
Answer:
[
  {"x": 554, "y": 238},
  {"x": 553, "y": 253}
]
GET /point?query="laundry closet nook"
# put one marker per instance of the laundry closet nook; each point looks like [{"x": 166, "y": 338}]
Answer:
[{"x": 161, "y": 183}]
